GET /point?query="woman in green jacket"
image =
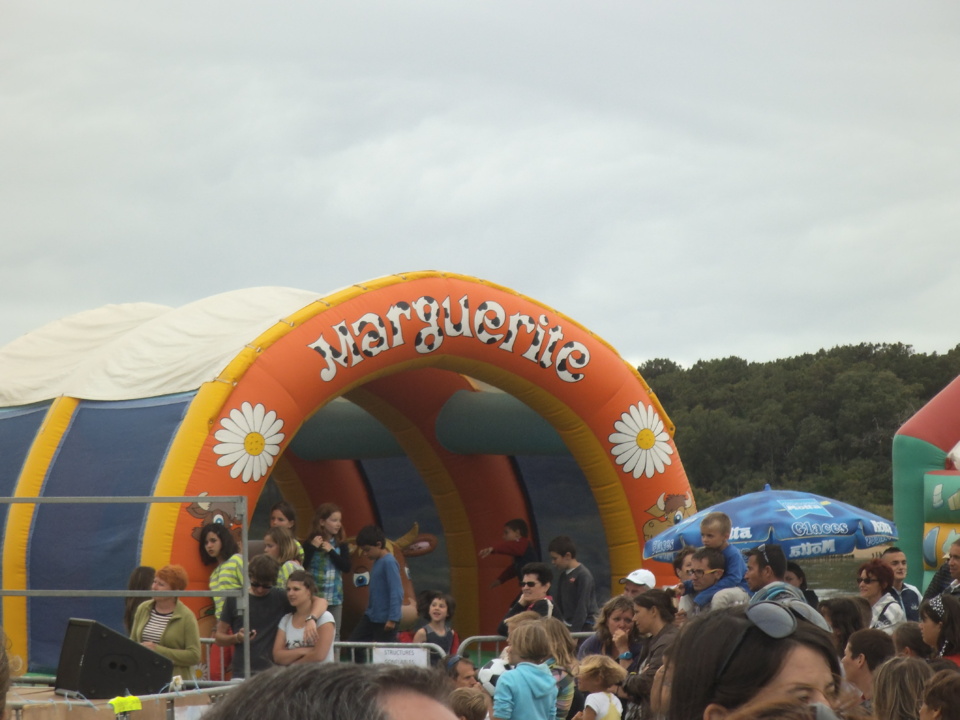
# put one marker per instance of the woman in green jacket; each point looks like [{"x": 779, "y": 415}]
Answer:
[{"x": 167, "y": 626}]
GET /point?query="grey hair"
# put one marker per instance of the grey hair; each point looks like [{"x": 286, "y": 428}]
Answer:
[{"x": 334, "y": 691}]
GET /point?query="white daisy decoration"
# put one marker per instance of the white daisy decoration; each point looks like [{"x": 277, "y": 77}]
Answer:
[
  {"x": 641, "y": 444},
  {"x": 249, "y": 440}
]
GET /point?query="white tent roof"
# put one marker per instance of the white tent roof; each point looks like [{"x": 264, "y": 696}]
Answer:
[{"x": 138, "y": 350}]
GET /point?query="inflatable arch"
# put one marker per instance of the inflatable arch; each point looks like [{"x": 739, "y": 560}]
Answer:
[
  {"x": 482, "y": 392},
  {"x": 926, "y": 483}
]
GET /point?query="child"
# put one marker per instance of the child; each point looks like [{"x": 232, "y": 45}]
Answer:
[
  {"x": 280, "y": 544},
  {"x": 715, "y": 533},
  {"x": 515, "y": 543},
  {"x": 528, "y": 692},
  {"x": 439, "y": 615},
  {"x": 327, "y": 557},
  {"x": 599, "y": 675},
  {"x": 573, "y": 592},
  {"x": 468, "y": 704},
  {"x": 283, "y": 515},
  {"x": 267, "y": 604},
  {"x": 379, "y": 622}
]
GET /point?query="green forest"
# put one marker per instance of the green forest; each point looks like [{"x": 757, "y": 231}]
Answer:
[{"x": 822, "y": 422}]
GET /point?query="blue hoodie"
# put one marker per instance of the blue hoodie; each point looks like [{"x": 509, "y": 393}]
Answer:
[{"x": 528, "y": 692}]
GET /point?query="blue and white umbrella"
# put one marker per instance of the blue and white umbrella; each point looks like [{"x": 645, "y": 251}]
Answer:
[{"x": 803, "y": 524}]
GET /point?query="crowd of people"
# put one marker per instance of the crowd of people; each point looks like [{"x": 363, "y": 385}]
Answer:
[{"x": 737, "y": 636}]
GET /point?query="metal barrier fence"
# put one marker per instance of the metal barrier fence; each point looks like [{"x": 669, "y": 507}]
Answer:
[
  {"x": 16, "y": 706},
  {"x": 488, "y": 647},
  {"x": 366, "y": 649},
  {"x": 240, "y": 511}
]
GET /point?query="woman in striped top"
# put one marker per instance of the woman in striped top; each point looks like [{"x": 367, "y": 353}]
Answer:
[{"x": 167, "y": 626}]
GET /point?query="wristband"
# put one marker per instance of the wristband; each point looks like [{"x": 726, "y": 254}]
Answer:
[
  {"x": 310, "y": 617},
  {"x": 626, "y": 656}
]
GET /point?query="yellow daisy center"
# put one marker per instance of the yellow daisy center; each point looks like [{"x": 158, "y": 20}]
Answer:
[
  {"x": 253, "y": 443},
  {"x": 646, "y": 439}
]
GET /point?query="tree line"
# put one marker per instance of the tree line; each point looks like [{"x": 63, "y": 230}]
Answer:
[{"x": 822, "y": 422}]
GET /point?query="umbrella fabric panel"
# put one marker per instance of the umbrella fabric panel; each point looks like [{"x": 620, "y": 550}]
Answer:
[{"x": 804, "y": 524}]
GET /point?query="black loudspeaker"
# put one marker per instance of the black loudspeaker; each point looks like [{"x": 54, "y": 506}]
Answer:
[{"x": 100, "y": 663}]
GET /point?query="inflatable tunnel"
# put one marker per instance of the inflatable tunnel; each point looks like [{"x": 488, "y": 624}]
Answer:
[
  {"x": 926, "y": 483},
  {"x": 429, "y": 403}
]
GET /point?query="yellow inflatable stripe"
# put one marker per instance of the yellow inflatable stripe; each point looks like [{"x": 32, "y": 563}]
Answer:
[
  {"x": 20, "y": 518},
  {"x": 183, "y": 454}
]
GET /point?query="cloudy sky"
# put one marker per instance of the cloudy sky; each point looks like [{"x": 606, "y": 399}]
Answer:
[{"x": 687, "y": 179}]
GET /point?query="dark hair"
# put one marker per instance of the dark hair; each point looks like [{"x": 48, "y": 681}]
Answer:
[
  {"x": 286, "y": 509},
  {"x": 302, "y": 576},
  {"x": 891, "y": 550},
  {"x": 562, "y": 545},
  {"x": 771, "y": 556},
  {"x": 450, "y": 663},
  {"x": 322, "y": 513},
  {"x": 938, "y": 664},
  {"x": 140, "y": 579},
  {"x": 660, "y": 600},
  {"x": 798, "y": 571},
  {"x": 875, "y": 646},
  {"x": 334, "y": 691},
  {"x": 426, "y": 598},
  {"x": 942, "y": 692},
  {"x": 543, "y": 572},
  {"x": 880, "y": 570},
  {"x": 263, "y": 569},
  {"x": 944, "y": 609},
  {"x": 908, "y": 636},
  {"x": 846, "y": 617},
  {"x": 614, "y": 604},
  {"x": 736, "y": 663},
  {"x": 518, "y": 525},
  {"x": 228, "y": 545},
  {"x": 370, "y": 536},
  {"x": 715, "y": 559},
  {"x": 681, "y": 556}
]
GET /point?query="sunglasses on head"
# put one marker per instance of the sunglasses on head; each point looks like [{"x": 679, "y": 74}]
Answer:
[
  {"x": 261, "y": 586},
  {"x": 529, "y": 584},
  {"x": 775, "y": 620},
  {"x": 763, "y": 551}
]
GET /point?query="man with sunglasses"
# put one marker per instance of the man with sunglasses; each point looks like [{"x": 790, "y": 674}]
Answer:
[
  {"x": 533, "y": 593},
  {"x": 268, "y": 605}
]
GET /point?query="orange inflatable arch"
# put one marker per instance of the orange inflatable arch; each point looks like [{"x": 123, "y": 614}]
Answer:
[{"x": 423, "y": 354}]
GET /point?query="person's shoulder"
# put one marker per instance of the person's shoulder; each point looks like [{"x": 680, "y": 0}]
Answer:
[{"x": 583, "y": 570}]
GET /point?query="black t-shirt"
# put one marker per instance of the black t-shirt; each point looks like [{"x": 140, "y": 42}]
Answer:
[{"x": 266, "y": 611}]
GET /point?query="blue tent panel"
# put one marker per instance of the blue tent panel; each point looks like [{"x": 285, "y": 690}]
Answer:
[{"x": 110, "y": 449}]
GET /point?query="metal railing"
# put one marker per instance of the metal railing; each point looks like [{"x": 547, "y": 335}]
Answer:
[
  {"x": 242, "y": 594},
  {"x": 17, "y": 705}
]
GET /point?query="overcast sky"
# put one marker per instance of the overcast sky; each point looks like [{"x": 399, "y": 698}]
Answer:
[{"x": 687, "y": 179}]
